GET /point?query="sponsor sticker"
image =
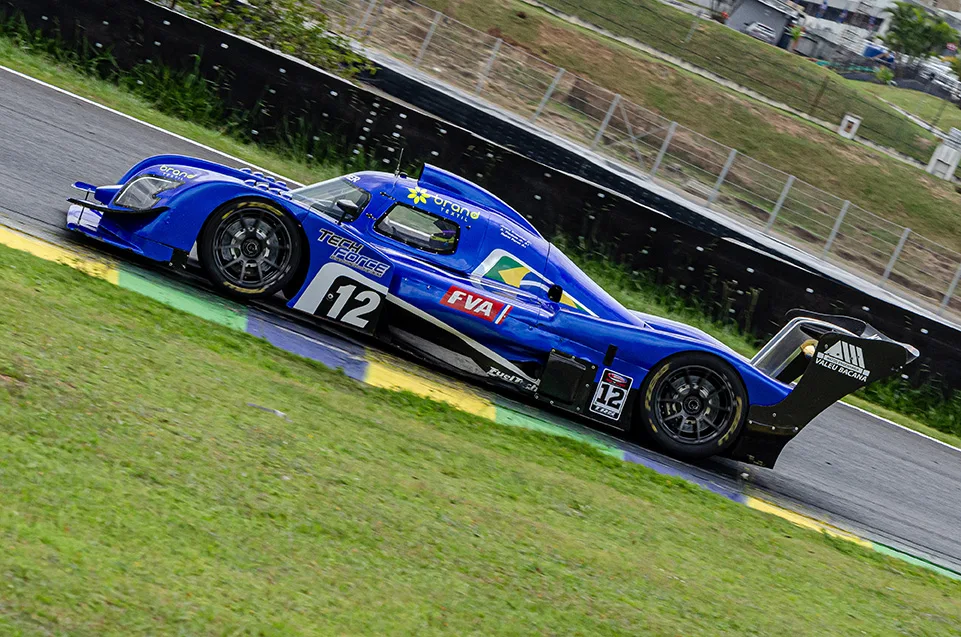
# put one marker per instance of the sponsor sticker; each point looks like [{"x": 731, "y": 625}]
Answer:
[
  {"x": 844, "y": 358},
  {"x": 611, "y": 394},
  {"x": 348, "y": 252},
  {"x": 476, "y": 304},
  {"x": 335, "y": 240},
  {"x": 510, "y": 235},
  {"x": 360, "y": 262},
  {"x": 419, "y": 195},
  {"x": 514, "y": 379},
  {"x": 176, "y": 173}
]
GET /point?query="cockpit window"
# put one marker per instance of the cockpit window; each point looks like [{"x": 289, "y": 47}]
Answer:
[
  {"x": 419, "y": 229},
  {"x": 324, "y": 196}
]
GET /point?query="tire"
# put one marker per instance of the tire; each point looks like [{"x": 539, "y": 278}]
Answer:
[
  {"x": 693, "y": 406},
  {"x": 250, "y": 248}
]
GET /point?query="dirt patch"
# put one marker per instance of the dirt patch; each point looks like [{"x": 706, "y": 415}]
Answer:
[
  {"x": 497, "y": 33},
  {"x": 13, "y": 385}
]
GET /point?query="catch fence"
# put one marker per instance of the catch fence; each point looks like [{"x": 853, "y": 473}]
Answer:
[{"x": 684, "y": 161}]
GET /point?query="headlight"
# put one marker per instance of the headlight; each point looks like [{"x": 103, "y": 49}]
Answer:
[{"x": 141, "y": 193}]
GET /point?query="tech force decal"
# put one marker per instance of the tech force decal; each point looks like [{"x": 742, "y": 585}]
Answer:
[
  {"x": 348, "y": 252},
  {"x": 846, "y": 359},
  {"x": 611, "y": 394},
  {"x": 475, "y": 304}
]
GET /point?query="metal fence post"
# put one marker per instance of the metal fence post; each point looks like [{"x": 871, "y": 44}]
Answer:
[
  {"x": 660, "y": 154},
  {"x": 430, "y": 34},
  {"x": 817, "y": 98},
  {"x": 950, "y": 293},
  {"x": 607, "y": 120},
  {"x": 547, "y": 94},
  {"x": 720, "y": 178},
  {"x": 895, "y": 255},
  {"x": 690, "y": 32},
  {"x": 630, "y": 132},
  {"x": 482, "y": 80},
  {"x": 834, "y": 230},
  {"x": 780, "y": 202},
  {"x": 363, "y": 21}
]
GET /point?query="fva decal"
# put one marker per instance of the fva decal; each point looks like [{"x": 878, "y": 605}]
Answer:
[
  {"x": 476, "y": 305},
  {"x": 846, "y": 359},
  {"x": 611, "y": 394}
]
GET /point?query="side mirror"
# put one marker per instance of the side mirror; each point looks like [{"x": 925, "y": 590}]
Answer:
[
  {"x": 555, "y": 292},
  {"x": 348, "y": 210}
]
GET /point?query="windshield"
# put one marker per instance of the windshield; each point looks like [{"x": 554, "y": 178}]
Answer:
[{"x": 322, "y": 197}]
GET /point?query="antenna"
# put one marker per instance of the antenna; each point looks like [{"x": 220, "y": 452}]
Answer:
[{"x": 399, "y": 157}]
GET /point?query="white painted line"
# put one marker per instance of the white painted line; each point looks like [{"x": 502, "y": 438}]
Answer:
[
  {"x": 899, "y": 426},
  {"x": 319, "y": 343},
  {"x": 147, "y": 124}
]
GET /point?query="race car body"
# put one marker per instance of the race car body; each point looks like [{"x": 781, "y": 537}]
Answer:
[{"x": 444, "y": 269}]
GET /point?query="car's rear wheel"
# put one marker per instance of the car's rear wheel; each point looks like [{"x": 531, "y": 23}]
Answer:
[
  {"x": 693, "y": 405},
  {"x": 250, "y": 248}
]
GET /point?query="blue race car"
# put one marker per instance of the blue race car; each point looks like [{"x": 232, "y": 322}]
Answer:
[{"x": 442, "y": 268}]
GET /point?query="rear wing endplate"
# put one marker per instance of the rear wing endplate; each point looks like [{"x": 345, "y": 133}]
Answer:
[{"x": 849, "y": 354}]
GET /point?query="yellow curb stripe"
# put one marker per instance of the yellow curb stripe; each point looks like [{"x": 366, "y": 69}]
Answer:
[
  {"x": 389, "y": 377},
  {"x": 804, "y": 521},
  {"x": 50, "y": 252}
]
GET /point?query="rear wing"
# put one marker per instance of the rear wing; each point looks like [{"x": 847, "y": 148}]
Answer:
[{"x": 829, "y": 357}]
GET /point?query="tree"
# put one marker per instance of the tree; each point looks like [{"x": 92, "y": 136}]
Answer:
[
  {"x": 883, "y": 75},
  {"x": 795, "y": 33},
  {"x": 955, "y": 66},
  {"x": 915, "y": 33}
]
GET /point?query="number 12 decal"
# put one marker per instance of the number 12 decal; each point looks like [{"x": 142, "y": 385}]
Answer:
[
  {"x": 611, "y": 394},
  {"x": 350, "y": 302}
]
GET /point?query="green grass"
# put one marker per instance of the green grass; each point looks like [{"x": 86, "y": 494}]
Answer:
[
  {"x": 769, "y": 70},
  {"x": 896, "y": 191},
  {"x": 140, "y": 494},
  {"x": 929, "y": 108}
]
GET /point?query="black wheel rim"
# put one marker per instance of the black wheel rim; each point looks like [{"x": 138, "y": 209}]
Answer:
[
  {"x": 694, "y": 405},
  {"x": 252, "y": 248}
]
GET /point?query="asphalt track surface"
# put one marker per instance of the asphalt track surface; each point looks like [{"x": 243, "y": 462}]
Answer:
[{"x": 847, "y": 468}]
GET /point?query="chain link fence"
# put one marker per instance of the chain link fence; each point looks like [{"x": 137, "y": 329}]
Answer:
[{"x": 675, "y": 157}]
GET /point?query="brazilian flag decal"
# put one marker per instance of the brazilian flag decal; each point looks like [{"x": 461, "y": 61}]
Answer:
[
  {"x": 516, "y": 274},
  {"x": 567, "y": 299},
  {"x": 509, "y": 270}
]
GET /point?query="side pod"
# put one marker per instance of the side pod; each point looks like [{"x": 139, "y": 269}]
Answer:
[{"x": 850, "y": 354}]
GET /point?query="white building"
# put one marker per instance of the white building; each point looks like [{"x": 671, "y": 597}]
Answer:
[
  {"x": 849, "y": 24},
  {"x": 852, "y": 23}
]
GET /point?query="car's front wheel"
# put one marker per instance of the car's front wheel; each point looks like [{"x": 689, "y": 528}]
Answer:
[
  {"x": 250, "y": 248},
  {"x": 693, "y": 405}
]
